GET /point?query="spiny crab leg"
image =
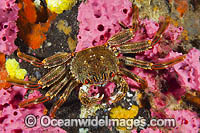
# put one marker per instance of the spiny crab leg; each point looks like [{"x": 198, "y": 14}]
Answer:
[
  {"x": 85, "y": 99},
  {"x": 47, "y": 80},
  {"x": 123, "y": 26},
  {"x": 121, "y": 37},
  {"x": 57, "y": 59},
  {"x": 162, "y": 27},
  {"x": 32, "y": 101},
  {"x": 148, "y": 65},
  {"x": 135, "y": 16},
  {"x": 122, "y": 88},
  {"x": 192, "y": 98},
  {"x": 26, "y": 84},
  {"x": 48, "y": 96},
  {"x": 126, "y": 34},
  {"x": 134, "y": 47},
  {"x": 133, "y": 76},
  {"x": 56, "y": 88},
  {"x": 63, "y": 98},
  {"x": 34, "y": 61},
  {"x": 52, "y": 61},
  {"x": 52, "y": 76},
  {"x": 163, "y": 65}
]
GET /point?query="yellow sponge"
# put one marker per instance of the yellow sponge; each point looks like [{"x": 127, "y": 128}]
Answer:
[
  {"x": 122, "y": 113},
  {"x": 13, "y": 69},
  {"x": 58, "y": 6}
]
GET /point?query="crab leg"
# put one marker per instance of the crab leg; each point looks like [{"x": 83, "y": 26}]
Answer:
[
  {"x": 134, "y": 62},
  {"x": 48, "y": 96},
  {"x": 34, "y": 61},
  {"x": 163, "y": 65},
  {"x": 57, "y": 59},
  {"x": 52, "y": 61},
  {"x": 148, "y": 65},
  {"x": 57, "y": 87},
  {"x": 162, "y": 27},
  {"x": 85, "y": 99},
  {"x": 35, "y": 100},
  {"x": 121, "y": 37},
  {"x": 123, "y": 26},
  {"x": 122, "y": 88},
  {"x": 126, "y": 34},
  {"x": 192, "y": 98},
  {"x": 134, "y": 77},
  {"x": 52, "y": 76},
  {"x": 63, "y": 98},
  {"x": 135, "y": 17},
  {"x": 26, "y": 84},
  {"x": 134, "y": 47}
]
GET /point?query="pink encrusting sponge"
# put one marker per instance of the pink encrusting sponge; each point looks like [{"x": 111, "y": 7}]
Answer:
[
  {"x": 189, "y": 70},
  {"x": 12, "y": 118},
  {"x": 186, "y": 121},
  {"x": 8, "y": 28},
  {"x": 99, "y": 20}
]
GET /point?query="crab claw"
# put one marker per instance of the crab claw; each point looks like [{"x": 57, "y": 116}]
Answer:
[
  {"x": 88, "y": 101},
  {"x": 118, "y": 96},
  {"x": 122, "y": 88}
]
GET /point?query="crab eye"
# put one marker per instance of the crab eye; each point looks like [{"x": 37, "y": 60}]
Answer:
[
  {"x": 86, "y": 81},
  {"x": 112, "y": 74}
]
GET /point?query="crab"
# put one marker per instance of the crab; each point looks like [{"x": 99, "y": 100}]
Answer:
[{"x": 94, "y": 66}]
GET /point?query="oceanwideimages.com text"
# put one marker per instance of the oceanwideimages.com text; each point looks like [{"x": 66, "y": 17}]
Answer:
[{"x": 46, "y": 121}]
